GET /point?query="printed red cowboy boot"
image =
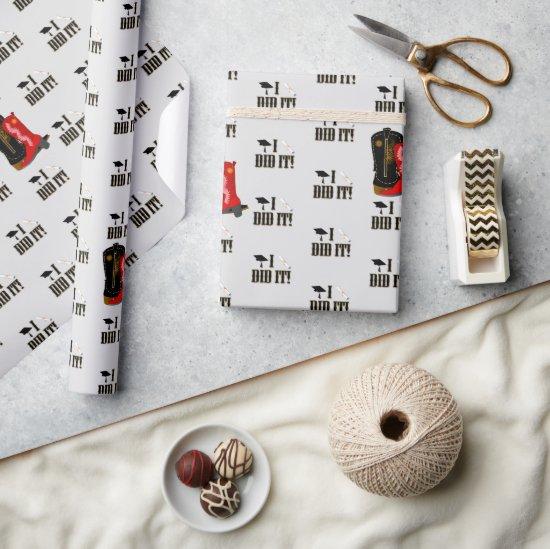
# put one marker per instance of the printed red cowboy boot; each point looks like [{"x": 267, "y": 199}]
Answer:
[
  {"x": 28, "y": 142},
  {"x": 13, "y": 150},
  {"x": 231, "y": 203},
  {"x": 398, "y": 155}
]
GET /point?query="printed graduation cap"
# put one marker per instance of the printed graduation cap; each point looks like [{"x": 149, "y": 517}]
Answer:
[
  {"x": 261, "y": 259},
  {"x": 46, "y": 274},
  {"x": 105, "y": 374},
  {"x": 322, "y": 174},
  {"x": 149, "y": 150},
  {"x": 384, "y": 90},
  {"x": 173, "y": 93},
  {"x": 128, "y": 7},
  {"x": 319, "y": 290},
  {"x": 69, "y": 219},
  {"x": 263, "y": 201},
  {"x": 121, "y": 112},
  {"x": 80, "y": 70},
  {"x": 321, "y": 232},
  {"x": 264, "y": 143},
  {"x": 380, "y": 206},
  {"x": 109, "y": 322},
  {"x": 378, "y": 263},
  {"x": 125, "y": 59},
  {"x": 45, "y": 30},
  {"x": 11, "y": 234},
  {"x": 25, "y": 330},
  {"x": 266, "y": 86},
  {"x": 115, "y": 217},
  {"x": 34, "y": 179},
  {"x": 141, "y": 53},
  {"x": 58, "y": 124},
  {"x": 118, "y": 164},
  {"x": 23, "y": 84}
]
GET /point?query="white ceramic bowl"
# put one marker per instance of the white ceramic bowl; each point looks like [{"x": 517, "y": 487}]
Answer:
[{"x": 185, "y": 501}]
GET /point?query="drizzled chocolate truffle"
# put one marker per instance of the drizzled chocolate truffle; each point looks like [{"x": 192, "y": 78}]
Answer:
[
  {"x": 220, "y": 498},
  {"x": 194, "y": 468},
  {"x": 232, "y": 459}
]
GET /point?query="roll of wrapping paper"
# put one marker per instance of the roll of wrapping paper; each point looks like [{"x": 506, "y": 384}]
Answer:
[{"x": 106, "y": 151}]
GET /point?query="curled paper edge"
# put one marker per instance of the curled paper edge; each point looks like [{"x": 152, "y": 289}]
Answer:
[{"x": 172, "y": 140}]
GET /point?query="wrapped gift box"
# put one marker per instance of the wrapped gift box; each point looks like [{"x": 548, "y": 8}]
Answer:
[{"x": 312, "y": 187}]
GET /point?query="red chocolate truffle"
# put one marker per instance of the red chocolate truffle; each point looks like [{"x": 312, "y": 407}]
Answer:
[{"x": 194, "y": 468}]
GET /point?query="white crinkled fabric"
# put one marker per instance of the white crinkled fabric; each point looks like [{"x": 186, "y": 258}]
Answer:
[{"x": 102, "y": 489}]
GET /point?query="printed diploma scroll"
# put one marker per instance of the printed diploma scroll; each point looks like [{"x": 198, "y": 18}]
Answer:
[{"x": 102, "y": 230}]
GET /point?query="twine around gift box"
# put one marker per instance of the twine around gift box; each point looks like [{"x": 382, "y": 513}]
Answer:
[{"x": 395, "y": 430}]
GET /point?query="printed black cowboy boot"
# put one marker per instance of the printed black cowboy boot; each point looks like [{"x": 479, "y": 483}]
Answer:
[
  {"x": 386, "y": 147},
  {"x": 113, "y": 264}
]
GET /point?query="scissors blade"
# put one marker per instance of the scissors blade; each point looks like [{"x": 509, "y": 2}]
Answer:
[
  {"x": 380, "y": 28},
  {"x": 384, "y": 36}
]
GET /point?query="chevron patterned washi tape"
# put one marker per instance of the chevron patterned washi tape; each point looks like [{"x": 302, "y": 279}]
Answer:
[
  {"x": 483, "y": 233},
  {"x": 482, "y": 223}
]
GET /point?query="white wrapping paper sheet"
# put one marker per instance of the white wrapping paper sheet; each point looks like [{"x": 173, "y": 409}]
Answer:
[{"x": 46, "y": 82}]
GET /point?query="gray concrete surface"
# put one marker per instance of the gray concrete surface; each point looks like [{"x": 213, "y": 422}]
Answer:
[{"x": 178, "y": 342}]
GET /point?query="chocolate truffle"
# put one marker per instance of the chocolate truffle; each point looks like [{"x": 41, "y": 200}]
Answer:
[
  {"x": 232, "y": 459},
  {"x": 220, "y": 498},
  {"x": 194, "y": 468}
]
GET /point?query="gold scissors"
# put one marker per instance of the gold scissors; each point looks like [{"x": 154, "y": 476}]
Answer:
[{"x": 425, "y": 57}]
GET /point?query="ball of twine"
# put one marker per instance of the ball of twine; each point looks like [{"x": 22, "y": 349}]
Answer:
[{"x": 395, "y": 430}]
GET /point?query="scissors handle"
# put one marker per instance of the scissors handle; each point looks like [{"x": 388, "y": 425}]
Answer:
[
  {"x": 429, "y": 79},
  {"x": 443, "y": 50},
  {"x": 424, "y": 58}
]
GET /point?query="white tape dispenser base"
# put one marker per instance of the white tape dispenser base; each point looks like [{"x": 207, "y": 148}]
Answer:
[{"x": 476, "y": 226}]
